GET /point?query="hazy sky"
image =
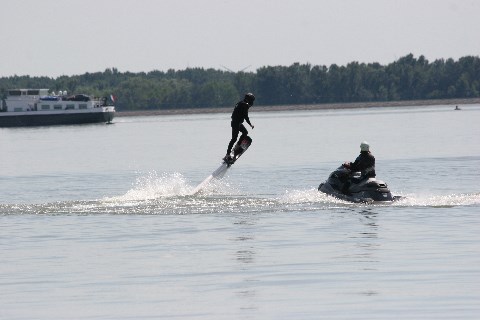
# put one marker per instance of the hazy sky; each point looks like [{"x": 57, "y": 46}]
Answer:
[{"x": 66, "y": 37}]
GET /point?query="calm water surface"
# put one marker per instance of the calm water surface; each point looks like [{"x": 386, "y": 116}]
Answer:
[{"x": 97, "y": 221}]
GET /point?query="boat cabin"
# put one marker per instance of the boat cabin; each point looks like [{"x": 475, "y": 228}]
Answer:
[{"x": 24, "y": 100}]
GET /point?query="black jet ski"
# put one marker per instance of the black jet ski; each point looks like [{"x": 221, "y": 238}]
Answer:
[{"x": 361, "y": 190}]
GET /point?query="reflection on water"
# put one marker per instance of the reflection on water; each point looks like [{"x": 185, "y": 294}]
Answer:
[
  {"x": 368, "y": 247},
  {"x": 361, "y": 247},
  {"x": 245, "y": 253}
]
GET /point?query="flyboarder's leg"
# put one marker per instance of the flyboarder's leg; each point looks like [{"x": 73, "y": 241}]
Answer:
[
  {"x": 235, "y": 132},
  {"x": 244, "y": 132}
]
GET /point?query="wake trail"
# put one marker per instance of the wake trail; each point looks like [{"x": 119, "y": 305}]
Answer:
[{"x": 171, "y": 193}]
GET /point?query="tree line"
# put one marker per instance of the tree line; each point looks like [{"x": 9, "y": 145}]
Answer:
[{"x": 408, "y": 78}]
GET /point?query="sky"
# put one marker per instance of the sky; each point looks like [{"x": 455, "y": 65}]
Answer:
[{"x": 69, "y": 37}]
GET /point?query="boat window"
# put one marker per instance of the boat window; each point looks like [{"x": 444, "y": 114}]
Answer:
[
  {"x": 82, "y": 106},
  {"x": 15, "y": 93},
  {"x": 57, "y": 107},
  {"x": 45, "y": 107},
  {"x": 33, "y": 92},
  {"x": 18, "y": 109},
  {"x": 70, "y": 107}
]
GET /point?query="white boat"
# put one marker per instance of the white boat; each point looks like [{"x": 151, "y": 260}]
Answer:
[{"x": 39, "y": 107}]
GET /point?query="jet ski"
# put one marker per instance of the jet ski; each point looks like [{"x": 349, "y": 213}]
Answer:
[{"x": 361, "y": 190}]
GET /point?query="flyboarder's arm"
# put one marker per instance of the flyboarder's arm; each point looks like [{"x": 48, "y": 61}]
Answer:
[{"x": 247, "y": 119}]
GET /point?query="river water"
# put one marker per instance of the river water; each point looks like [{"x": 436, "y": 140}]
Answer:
[{"x": 97, "y": 221}]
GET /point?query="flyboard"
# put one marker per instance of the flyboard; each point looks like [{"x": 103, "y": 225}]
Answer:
[{"x": 238, "y": 150}]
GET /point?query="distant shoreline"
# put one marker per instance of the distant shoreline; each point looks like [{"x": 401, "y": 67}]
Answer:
[{"x": 324, "y": 106}]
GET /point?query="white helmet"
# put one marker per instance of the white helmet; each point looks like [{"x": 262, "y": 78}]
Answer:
[{"x": 364, "y": 146}]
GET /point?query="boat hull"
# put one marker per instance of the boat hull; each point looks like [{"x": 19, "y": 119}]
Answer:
[{"x": 29, "y": 119}]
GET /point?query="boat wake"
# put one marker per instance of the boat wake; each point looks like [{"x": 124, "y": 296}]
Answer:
[
  {"x": 167, "y": 194},
  {"x": 408, "y": 200},
  {"x": 441, "y": 201}
]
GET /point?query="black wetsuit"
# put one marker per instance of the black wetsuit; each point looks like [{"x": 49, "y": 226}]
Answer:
[
  {"x": 239, "y": 114},
  {"x": 365, "y": 163}
]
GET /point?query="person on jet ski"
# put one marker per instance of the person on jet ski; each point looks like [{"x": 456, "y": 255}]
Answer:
[
  {"x": 239, "y": 114},
  {"x": 365, "y": 163}
]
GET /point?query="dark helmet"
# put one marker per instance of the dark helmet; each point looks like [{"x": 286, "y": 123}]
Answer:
[{"x": 249, "y": 98}]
